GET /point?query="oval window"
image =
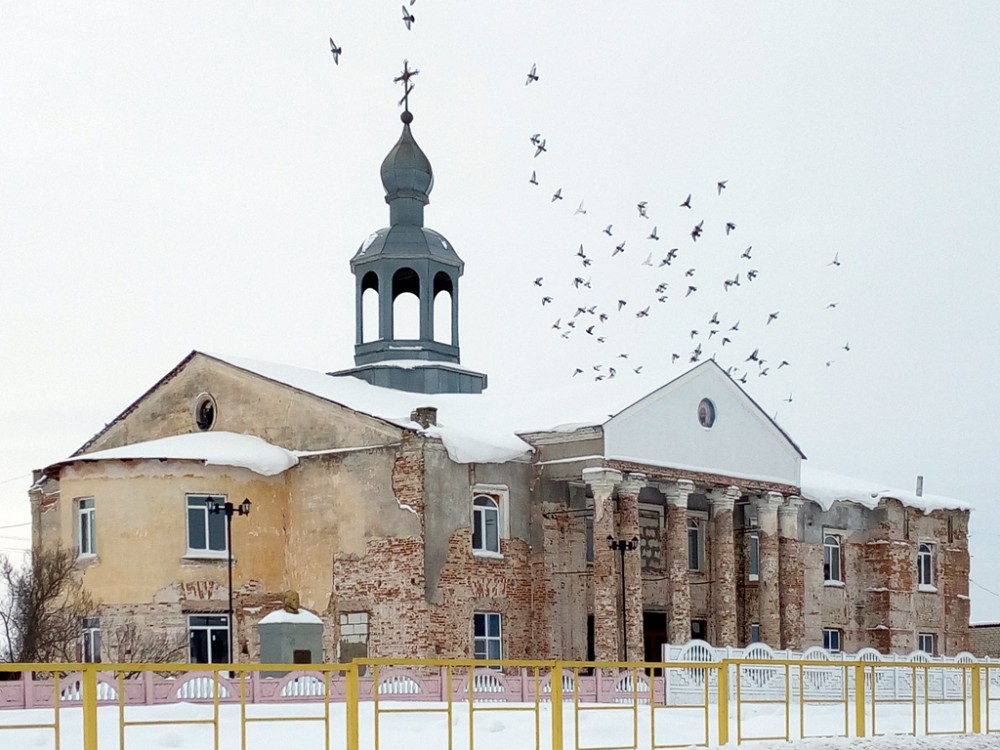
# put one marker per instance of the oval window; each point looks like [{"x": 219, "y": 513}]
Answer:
[
  {"x": 204, "y": 412},
  {"x": 706, "y": 413}
]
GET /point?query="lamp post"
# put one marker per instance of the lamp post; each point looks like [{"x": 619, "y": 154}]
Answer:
[
  {"x": 243, "y": 509},
  {"x": 623, "y": 546}
]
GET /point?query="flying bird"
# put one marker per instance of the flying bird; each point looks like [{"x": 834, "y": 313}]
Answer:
[
  {"x": 754, "y": 356},
  {"x": 607, "y": 229},
  {"x": 577, "y": 371},
  {"x": 690, "y": 272},
  {"x": 715, "y": 319},
  {"x": 642, "y": 313},
  {"x": 835, "y": 261},
  {"x": 696, "y": 232},
  {"x": 580, "y": 252},
  {"x": 771, "y": 316},
  {"x": 557, "y": 196},
  {"x": 534, "y": 179},
  {"x": 784, "y": 363},
  {"x": 721, "y": 185},
  {"x": 642, "y": 209},
  {"x": 580, "y": 209},
  {"x": 847, "y": 347},
  {"x": 536, "y": 139},
  {"x": 619, "y": 249},
  {"x": 752, "y": 274},
  {"x": 335, "y": 51},
  {"x": 621, "y": 304},
  {"x": 408, "y": 18},
  {"x": 735, "y": 326},
  {"x": 691, "y": 289},
  {"x": 637, "y": 370},
  {"x": 538, "y": 281},
  {"x": 546, "y": 300},
  {"x": 687, "y": 202},
  {"x": 648, "y": 261},
  {"x": 789, "y": 399},
  {"x": 532, "y": 74},
  {"x": 746, "y": 253},
  {"x": 540, "y": 147},
  {"x": 831, "y": 305},
  {"x": 729, "y": 227},
  {"x": 674, "y": 357},
  {"x": 557, "y": 325},
  {"x": 653, "y": 235}
]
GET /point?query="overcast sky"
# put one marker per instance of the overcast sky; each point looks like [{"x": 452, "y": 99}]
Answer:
[{"x": 189, "y": 175}]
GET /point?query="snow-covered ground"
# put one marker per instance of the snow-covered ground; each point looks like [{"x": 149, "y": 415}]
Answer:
[{"x": 496, "y": 727}]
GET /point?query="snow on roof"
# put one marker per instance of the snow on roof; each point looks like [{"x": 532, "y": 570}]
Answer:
[
  {"x": 826, "y": 488},
  {"x": 212, "y": 448},
  {"x": 302, "y": 617},
  {"x": 474, "y": 427}
]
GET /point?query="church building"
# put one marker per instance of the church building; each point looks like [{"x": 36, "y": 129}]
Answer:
[{"x": 417, "y": 515}]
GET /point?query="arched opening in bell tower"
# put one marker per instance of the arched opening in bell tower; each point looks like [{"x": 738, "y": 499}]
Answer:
[
  {"x": 406, "y": 305},
  {"x": 444, "y": 301},
  {"x": 369, "y": 307}
]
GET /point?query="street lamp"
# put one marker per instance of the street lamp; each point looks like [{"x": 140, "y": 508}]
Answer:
[
  {"x": 623, "y": 546},
  {"x": 243, "y": 509}
]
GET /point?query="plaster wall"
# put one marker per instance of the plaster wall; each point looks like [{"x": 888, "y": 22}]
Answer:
[{"x": 663, "y": 429}]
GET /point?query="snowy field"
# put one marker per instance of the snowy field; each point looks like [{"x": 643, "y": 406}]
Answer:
[{"x": 510, "y": 727}]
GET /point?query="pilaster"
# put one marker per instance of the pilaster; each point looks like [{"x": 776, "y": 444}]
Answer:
[
  {"x": 628, "y": 528},
  {"x": 602, "y": 485},
  {"x": 676, "y": 547},
  {"x": 769, "y": 596},
  {"x": 791, "y": 575}
]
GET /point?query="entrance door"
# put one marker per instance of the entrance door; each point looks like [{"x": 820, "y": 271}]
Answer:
[{"x": 654, "y": 634}]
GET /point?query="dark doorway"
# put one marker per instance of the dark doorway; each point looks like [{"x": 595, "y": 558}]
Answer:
[
  {"x": 699, "y": 630},
  {"x": 654, "y": 634},
  {"x": 590, "y": 638}
]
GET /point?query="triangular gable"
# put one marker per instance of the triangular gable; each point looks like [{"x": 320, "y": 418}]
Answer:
[
  {"x": 663, "y": 429},
  {"x": 106, "y": 433}
]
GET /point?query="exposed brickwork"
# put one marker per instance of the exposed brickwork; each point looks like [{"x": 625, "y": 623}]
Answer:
[
  {"x": 769, "y": 597},
  {"x": 792, "y": 589},
  {"x": 606, "y": 617},
  {"x": 628, "y": 528},
  {"x": 679, "y": 627},
  {"x": 722, "y": 559}
]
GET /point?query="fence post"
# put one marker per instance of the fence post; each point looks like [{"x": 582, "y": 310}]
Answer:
[
  {"x": 351, "y": 706},
  {"x": 977, "y": 698},
  {"x": 722, "y": 704},
  {"x": 555, "y": 683},
  {"x": 89, "y": 685},
  {"x": 859, "y": 700}
]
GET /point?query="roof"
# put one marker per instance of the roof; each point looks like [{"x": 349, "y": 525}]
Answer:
[{"x": 825, "y": 488}]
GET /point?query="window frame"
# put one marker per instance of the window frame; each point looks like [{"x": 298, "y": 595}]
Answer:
[
  {"x": 90, "y": 640},
  {"x": 500, "y": 495},
  {"x": 830, "y": 577},
  {"x": 754, "y": 632},
  {"x": 925, "y": 567},
  {"x": 694, "y": 526},
  {"x": 831, "y": 634},
  {"x": 921, "y": 642},
  {"x": 208, "y": 629},
  {"x": 753, "y": 556},
  {"x": 85, "y": 530},
  {"x": 486, "y": 639},
  {"x": 191, "y": 503}
]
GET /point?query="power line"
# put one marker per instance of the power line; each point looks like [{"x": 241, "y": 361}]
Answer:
[
  {"x": 16, "y": 525},
  {"x": 14, "y": 479},
  {"x": 988, "y": 591}
]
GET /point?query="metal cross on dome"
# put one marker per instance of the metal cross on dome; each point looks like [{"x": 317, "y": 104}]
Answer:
[{"x": 405, "y": 77}]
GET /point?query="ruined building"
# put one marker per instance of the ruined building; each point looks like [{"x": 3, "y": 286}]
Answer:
[{"x": 418, "y": 515}]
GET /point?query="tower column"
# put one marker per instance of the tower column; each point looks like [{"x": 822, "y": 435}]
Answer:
[
  {"x": 454, "y": 311},
  {"x": 676, "y": 548},
  {"x": 628, "y": 527},
  {"x": 722, "y": 560},
  {"x": 792, "y": 590},
  {"x": 769, "y": 598},
  {"x": 602, "y": 484},
  {"x": 359, "y": 326},
  {"x": 385, "y": 306}
]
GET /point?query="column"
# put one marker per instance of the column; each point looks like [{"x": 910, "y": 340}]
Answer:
[
  {"x": 767, "y": 532},
  {"x": 792, "y": 590},
  {"x": 676, "y": 549},
  {"x": 722, "y": 559},
  {"x": 628, "y": 527},
  {"x": 604, "y": 582}
]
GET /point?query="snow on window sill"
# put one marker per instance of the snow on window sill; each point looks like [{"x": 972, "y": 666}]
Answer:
[
  {"x": 927, "y": 588},
  {"x": 834, "y": 584},
  {"x": 201, "y": 555},
  {"x": 488, "y": 554},
  {"x": 753, "y": 577},
  {"x": 87, "y": 558}
]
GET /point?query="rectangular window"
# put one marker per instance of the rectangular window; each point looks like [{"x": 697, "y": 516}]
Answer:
[
  {"x": 590, "y": 538},
  {"x": 753, "y": 556},
  {"x": 489, "y": 519},
  {"x": 925, "y": 643},
  {"x": 699, "y": 630},
  {"x": 90, "y": 640},
  {"x": 754, "y": 632},
  {"x": 694, "y": 544},
  {"x": 208, "y": 639},
  {"x": 487, "y": 642},
  {"x": 353, "y": 636},
  {"x": 206, "y": 531},
  {"x": 85, "y": 536},
  {"x": 831, "y": 639}
]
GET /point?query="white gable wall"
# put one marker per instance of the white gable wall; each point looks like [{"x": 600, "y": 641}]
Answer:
[{"x": 663, "y": 429}]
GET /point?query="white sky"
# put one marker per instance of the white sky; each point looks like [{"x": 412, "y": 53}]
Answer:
[{"x": 188, "y": 175}]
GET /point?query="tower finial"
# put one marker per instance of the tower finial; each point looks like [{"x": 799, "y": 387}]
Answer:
[{"x": 404, "y": 78}]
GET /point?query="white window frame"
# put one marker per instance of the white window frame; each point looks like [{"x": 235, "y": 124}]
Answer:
[
  {"x": 90, "y": 640},
  {"x": 831, "y": 577},
  {"x": 208, "y": 629},
  {"x": 85, "y": 531},
  {"x": 925, "y": 567},
  {"x": 754, "y": 632},
  {"x": 753, "y": 556},
  {"x": 194, "y": 501},
  {"x": 501, "y": 496},
  {"x": 924, "y": 640},
  {"x": 697, "y": 524},
  {"x": 833, "y": 640},
  {"x": 490, "y": 636}
]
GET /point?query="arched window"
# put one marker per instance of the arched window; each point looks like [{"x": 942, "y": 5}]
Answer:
[
  {"x": 925, "y": 566},
  {"x": 405, "y": 304},
  {"x": 831, "y": 559},
  {"x": 443, "y": 311},
  {"x": 486, "y": 524},
  {"x": 694, "y": 545},
  {"x": 369, "y": 307}
]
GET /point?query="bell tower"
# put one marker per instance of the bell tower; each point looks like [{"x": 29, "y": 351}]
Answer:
[{"x": 408, "y": 258}]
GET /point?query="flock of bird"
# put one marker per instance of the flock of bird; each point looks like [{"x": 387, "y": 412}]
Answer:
[
  {"x": 408, "y": 20},
  {"x": 655, "y": 280}
]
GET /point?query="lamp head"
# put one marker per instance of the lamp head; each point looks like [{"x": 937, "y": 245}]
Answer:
[{"x": 244, "y": 508}]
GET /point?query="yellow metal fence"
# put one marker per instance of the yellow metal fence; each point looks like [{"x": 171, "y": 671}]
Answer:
[{"x": 367, "y": 703}]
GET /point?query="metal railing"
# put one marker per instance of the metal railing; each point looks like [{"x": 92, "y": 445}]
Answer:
[{"x": 660, "y": 705}]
